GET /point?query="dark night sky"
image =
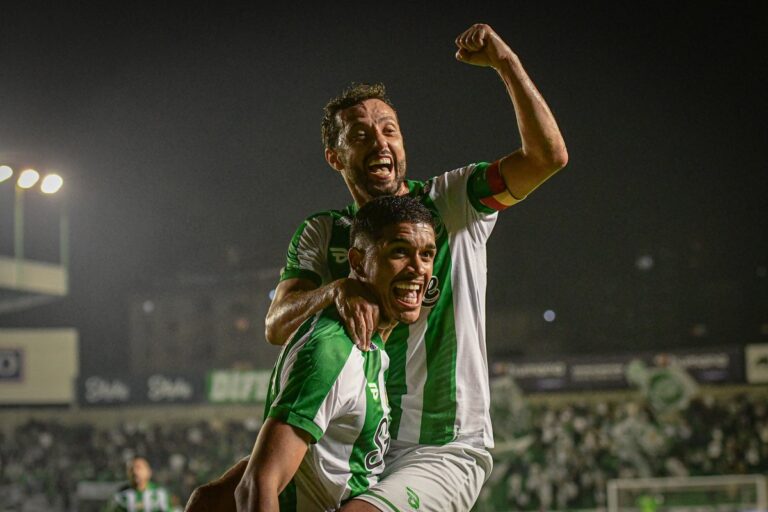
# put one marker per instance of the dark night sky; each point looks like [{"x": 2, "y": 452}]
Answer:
[{"x": 181, "y": 132}]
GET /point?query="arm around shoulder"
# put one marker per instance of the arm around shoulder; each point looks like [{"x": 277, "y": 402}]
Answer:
[
  {"x": 298, "y": 299},
  {"x": 294, "y": 302}
]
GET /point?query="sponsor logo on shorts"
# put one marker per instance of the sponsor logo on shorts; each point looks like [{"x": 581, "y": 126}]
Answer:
[{"x": 413, "y": 498}]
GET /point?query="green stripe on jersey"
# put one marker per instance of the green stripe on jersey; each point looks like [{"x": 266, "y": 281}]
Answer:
[
  {"x": 274, "y": 379},
  {"x": 292, "y": 267},
  {"x": 338, "y": 246},
  {"x": 439, "y": 399},
  {"x": 397, "y": 350},
  {"x": 318, "y": 363},
  {"x": 365, "y": 457},
  {"x": 439, "y": 395}
]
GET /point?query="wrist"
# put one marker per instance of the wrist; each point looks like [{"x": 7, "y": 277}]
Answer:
[
  {"x": 506, "y": 61},
  {"x": 335, "y": 291}
]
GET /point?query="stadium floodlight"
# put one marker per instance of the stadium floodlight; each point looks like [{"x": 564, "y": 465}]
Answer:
[
  {"x": 5, "y": 173},
  {"x": 28, "y": 178},
  {"x": 51, "y": 184}
]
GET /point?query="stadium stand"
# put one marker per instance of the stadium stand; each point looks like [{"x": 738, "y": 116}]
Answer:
[{"x": 560, "y": 458}]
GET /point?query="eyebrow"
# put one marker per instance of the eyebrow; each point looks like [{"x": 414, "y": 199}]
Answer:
[
  {"x": 382, "y": 119},
  {"x": 407, "y": 242}
]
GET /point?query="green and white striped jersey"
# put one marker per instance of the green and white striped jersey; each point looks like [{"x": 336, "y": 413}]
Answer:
[
  {"x": 327, "y": 387},
  {"x": 442, "y": 393},
  {"x": 128, "y": 499}
]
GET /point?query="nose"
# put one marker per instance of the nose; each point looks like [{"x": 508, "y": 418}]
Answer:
[
  {"x": 380, "y": 141},
  {"x": 419, "y": 266}
]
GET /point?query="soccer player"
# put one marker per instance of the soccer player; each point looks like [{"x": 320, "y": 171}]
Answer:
[
  {"x": 327, "y": 417},
  {"x": 140, "y": 493},
  {"x": 438, "y": 379}
]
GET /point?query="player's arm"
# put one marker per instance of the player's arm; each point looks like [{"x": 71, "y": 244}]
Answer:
[
  {"x": 276, "y": 456},
  {"x": 543, "y": 150},
  {"x": 218, "y": 494},
  {"x": 297, "y": 299}
]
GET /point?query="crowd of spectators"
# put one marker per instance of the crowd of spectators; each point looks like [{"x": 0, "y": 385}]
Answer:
[
  {"x": 564, "y": 457},
  {"x": 549, "y": 457},
  {"x": 42, "y": 462}
]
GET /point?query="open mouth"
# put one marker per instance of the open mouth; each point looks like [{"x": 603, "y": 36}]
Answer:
[
  {"x": 408, "y": 294},
  {"x": 381, "y": 168}
]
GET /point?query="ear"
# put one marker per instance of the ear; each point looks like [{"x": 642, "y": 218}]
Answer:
[
  {"x": 356, "y": 257},
  {"x": 332, "y": 157}
]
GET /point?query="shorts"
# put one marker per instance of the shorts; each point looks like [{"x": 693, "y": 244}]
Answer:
[{"x": 426, "y": 478}]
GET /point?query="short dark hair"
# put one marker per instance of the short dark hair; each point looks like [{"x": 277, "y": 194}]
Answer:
[
  {"x": 355, "y": 93},
  {"x": 377, "y": 214}
]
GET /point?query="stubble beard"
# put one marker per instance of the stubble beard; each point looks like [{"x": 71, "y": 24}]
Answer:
[{"x": 389, "y": 189}]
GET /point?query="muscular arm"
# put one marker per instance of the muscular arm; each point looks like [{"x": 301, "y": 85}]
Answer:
[
  {"x": 298, "y": 299},
  {"x": 295, "y": 300},
  {"x": 276, "y": 456},
  {"x": 543, "y": 150}
]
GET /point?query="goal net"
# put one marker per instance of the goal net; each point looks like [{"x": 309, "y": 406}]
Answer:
[{"x": 728, "y": 493}]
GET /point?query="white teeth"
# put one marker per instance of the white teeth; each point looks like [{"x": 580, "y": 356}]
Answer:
[
  {"x": 407, "y": 286},
  {"x": 380, "y": 161}
]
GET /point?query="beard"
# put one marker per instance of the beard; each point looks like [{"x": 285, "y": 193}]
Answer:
[{"x": 384, "y": 189}]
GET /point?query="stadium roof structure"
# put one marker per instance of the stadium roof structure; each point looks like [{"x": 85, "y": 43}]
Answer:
[{"x": 26, "y": 283}]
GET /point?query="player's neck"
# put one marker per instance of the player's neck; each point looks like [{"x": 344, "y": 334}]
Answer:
[{"x": 385, "y": 328}]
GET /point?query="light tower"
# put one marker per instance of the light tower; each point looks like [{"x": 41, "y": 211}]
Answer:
[{"x": 23, "y": 282}]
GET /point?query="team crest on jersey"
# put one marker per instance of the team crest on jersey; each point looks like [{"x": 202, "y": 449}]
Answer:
[
  {"x": 339, "y": 254},
  {"x": 432, "y": 293}
]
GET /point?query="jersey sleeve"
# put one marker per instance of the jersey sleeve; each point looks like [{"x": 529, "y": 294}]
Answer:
[
  {"x": 307, "y": 252},
  {"x": 486, "y": 189},
  {"x": 456, "y": 195},
  {"x": 311, "y": 395}
]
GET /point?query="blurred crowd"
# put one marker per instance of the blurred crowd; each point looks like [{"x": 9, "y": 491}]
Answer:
[
  {"x": 41, "y": 463},
  {"x": 548, "y": 457},
  {"x": 560, "y": 457}
]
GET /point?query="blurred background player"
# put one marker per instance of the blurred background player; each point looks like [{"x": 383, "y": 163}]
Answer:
[{"x": 140, "y": 494}]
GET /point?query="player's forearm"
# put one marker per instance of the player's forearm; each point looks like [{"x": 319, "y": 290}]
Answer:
[
  {"x": 288, "y": 312},
  {"x": 543, "y": 147},
  {"x": 257, "y": 495}
]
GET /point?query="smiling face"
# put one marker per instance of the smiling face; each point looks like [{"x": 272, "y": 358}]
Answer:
[
  {"x": 370, "y": 154},
  {"x": 398, "y": 267}
]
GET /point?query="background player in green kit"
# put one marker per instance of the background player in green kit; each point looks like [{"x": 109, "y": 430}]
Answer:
[
  {"x": 327, "y": 420},
  {"x": 141, "y": 494},
  {"x": 438, "y": 377}
]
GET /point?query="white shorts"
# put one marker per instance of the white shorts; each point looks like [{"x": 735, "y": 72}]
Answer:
[{"x": 426, "y": 478}]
